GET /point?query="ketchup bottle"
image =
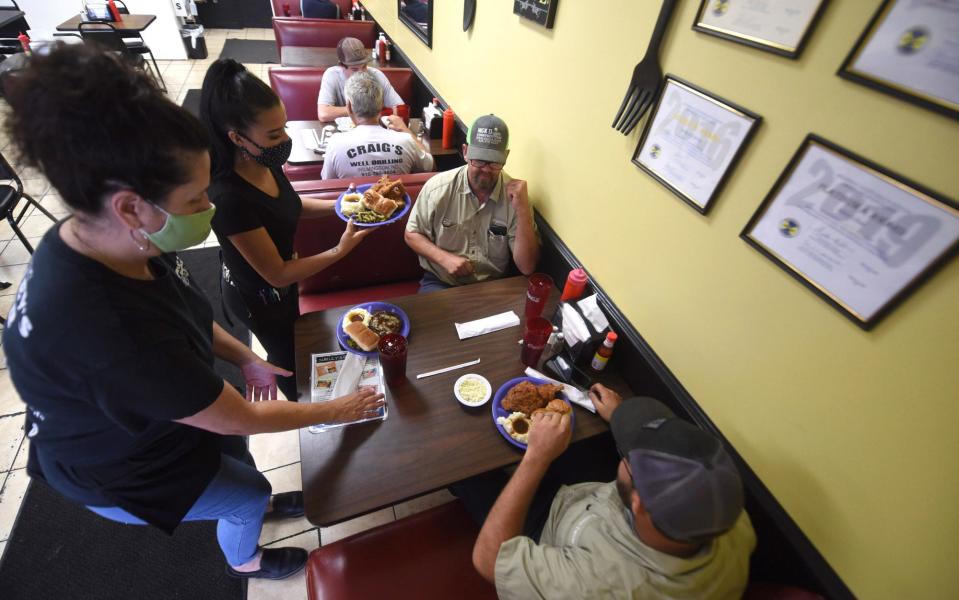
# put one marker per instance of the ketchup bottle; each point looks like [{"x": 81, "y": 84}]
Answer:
[
  {"x": 575, "y": 285},
  {"x": 601, "y": 358},
  {"x": 24, "y": 41},
  {"x": 114, "y": 10},
  {"x": 449, "y": 124}
]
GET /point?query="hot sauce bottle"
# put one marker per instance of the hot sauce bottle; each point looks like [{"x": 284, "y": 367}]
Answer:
[{"x": 601, "y": 358}]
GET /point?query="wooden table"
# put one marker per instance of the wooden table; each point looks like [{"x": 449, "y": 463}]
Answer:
[
  {"x": 308, "y": 56},
  {"x": 428, "y": 440},
  {"x": 302, "y": 155},
  {"x": 129, "y": 24}
]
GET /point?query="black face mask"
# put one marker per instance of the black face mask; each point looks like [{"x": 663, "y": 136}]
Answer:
[{"x": 272, "y": 157}]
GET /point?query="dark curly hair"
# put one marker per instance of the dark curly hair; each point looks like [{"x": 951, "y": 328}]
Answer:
[
  {"x": 232, "y": 99},
  {"x": 93, "y": 124}
]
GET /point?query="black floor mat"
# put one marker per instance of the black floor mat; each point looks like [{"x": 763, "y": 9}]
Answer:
[
  {"x": 61, "y": 550},
  {"x": 251, "y": 51},
  {"x": 191, "y": 102}
]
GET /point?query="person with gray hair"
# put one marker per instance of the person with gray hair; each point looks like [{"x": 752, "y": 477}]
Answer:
[{"x": 370, "y": 149}]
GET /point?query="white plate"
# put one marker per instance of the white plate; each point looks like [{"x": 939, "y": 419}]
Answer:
[{"x": 344, "y": 123}]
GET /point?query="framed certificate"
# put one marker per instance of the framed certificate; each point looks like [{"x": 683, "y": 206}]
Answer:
[
  {"x": 778, "y": 26},
  {"x": 693, "y": 140},
  {"x": 911, "y": 50},
  {"x": 859, "y": 236},
  {"x": 538, "y": 11}
]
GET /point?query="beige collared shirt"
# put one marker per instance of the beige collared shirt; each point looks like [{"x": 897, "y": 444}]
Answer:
[
  {"x": 589, "y": 549},
  {"x": 448, "y": 213}
]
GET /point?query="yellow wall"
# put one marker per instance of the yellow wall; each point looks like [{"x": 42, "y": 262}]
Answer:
[{"x": 854, "y": 432}]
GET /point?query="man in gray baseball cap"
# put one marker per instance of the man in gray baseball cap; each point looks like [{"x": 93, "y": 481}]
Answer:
[
  {"x": 671, "y": 525},
  {"x": 469, "y": 222},
  {"x": 353, "y": 58}
]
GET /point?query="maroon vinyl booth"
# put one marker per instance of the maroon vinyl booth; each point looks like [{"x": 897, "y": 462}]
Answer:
[
  {"x": 429, "y": 555},
  {"x": 299, "y": 87},
  {"x": 345, "y": 7},
  {"x": 381, "y": 267},
  {"x": 426, "y": 555},
  {"x": 321, "y": 33}
]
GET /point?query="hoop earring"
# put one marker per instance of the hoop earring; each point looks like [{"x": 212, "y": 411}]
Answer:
[{"x": 138, "y": 244}]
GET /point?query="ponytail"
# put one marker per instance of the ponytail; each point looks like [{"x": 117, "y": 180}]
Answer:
[{"x": 231, "y": 99}]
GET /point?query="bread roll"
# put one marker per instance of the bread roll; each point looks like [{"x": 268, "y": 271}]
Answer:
[{"x": 364, "y": 337}]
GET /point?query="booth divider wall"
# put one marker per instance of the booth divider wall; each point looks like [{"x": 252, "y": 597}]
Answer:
[{"x": 852, "y": 431}]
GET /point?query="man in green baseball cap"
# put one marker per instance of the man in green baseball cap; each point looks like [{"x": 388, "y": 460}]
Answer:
[{"x": 469, "y": 222}]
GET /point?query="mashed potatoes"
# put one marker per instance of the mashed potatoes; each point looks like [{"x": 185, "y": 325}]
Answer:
[
  {"x": 356, "y": 314},
  {"x": 517, "y": 425}
]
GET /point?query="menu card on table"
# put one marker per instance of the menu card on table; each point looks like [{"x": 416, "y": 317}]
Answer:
[{"x": 335, "y": 374}]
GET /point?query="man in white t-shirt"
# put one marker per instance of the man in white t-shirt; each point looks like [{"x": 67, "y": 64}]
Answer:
[
  {"x": 353, "y": 58},
  {"x": 370, "y": 149}
]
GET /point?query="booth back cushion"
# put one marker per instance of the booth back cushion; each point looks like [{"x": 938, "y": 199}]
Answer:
[
  {"x": 321, "y": 33},
  {"x": 383, "y": 257},
  {"x": 299, "y": 87}
]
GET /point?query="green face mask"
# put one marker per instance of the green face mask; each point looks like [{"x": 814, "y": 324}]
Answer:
[{"x": 181, "y": 231}]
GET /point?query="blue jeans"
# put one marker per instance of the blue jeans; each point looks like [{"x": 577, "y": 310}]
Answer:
[
  {"x": 432, "y": 283},
  {"x": 236, "y": 498}
]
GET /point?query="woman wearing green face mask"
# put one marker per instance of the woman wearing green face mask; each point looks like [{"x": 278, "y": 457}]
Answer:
[
  {"x": 258, "y": 210},
  {"x": 111, "y": 344}
]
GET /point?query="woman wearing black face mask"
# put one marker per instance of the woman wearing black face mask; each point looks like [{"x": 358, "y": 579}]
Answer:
[{"x": 258, "y": 210}]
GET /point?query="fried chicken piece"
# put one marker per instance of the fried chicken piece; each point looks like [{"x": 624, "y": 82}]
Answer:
[
  {"x": 559, "y": 406},
  {"x": 394, "y": 190},
  {"x": 548, "y": 391},
  {"x": 525, "y": 397}
]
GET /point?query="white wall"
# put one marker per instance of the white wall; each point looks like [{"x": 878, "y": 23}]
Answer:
[{"x": 162, "y": 36}]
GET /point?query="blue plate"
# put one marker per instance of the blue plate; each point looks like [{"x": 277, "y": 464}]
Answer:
[
  {"x": 499, "y": 411},
  {"x": 362, "y": 188},
  {"x": 372, "y": 307}
]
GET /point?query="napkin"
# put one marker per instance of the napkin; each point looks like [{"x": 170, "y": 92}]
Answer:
[
  {"x": 574, "y": 327},
  {"x": 348, "y": 379},
  {"x": 310, "y": 139},
  {"x": 591, "y": 311},
  {"x": 487, "y": 325},
  {"x": 573, "y": 394}
]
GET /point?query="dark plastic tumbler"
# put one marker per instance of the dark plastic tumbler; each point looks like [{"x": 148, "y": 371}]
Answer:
[
  {"x": 534, "y": 340},
  {"x": 392, "y": 348},
  {"x": 536, "y": 295}
]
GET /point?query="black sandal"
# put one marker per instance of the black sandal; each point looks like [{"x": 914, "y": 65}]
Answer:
[
  {"x": 287, "y": 505},
  {"x": 276, "y": 563}
]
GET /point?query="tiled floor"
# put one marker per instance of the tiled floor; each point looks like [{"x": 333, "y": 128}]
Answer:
[{"x": 277, "y": 454}]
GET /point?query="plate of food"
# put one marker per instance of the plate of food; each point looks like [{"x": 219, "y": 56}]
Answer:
[
  {"x": 374, "y": 204},
  {"x": 361, "y": 326},
  {"x": 517, "y": 400},
  {"x": 344, "y": 123}
]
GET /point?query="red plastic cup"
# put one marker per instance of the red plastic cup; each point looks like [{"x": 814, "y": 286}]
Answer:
[
  {"x": 534, "y": 340},
  {"x": 392, "y": 349},
  {"x": 536, "y": 295},
  {"x": 387, "y": 111},
  {"x": 403, "y": 112}
]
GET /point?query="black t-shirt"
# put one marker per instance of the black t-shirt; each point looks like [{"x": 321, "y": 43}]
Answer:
[
  {"x": 241, "y": 207},
  {"x": 105, "y": 363}
]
